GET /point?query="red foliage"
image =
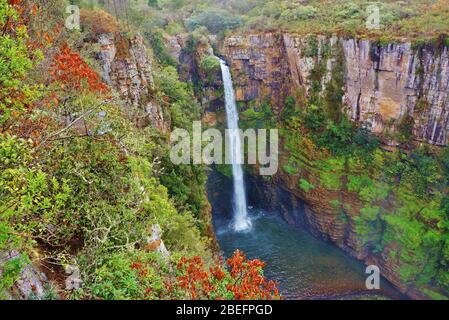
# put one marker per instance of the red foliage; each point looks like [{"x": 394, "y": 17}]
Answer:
[
  {"x": 12, "y": 25},
  {"x": 44, "y": 32},
  {"x": 196, "y": 279},
  {"x": 251, "y": 283},
  {"x": 217, "y": 272},
  {"x": 74, "y": 73},
  {"x": 246, "y": 280}
]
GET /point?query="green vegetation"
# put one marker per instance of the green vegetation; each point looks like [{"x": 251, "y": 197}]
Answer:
[
  {"x": 156, "y": 39},
  {"x": 215, "y": 20},
  {"x": 210, "y": 64},
  {"x": 417, "y": 20},
  {"x": 74, "y": 193},
  {"x": 82, "y": 189},
  {"x": 404, "y": 197},
  {"x": 258, "y": 117},
  {"x": 404, "y": 193},
  {"x": 305, "y": 185}
]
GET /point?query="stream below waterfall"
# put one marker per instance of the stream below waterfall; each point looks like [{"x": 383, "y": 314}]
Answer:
[{"x": 304, "y": 267}]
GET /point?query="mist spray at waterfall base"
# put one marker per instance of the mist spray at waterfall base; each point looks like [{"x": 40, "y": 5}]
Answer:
[{"x": 241, "y": 219}]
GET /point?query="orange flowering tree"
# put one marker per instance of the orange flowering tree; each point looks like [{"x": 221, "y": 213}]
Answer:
[
  {"x": 73, "y": 73},
  {"x": 243, "y": 279}
]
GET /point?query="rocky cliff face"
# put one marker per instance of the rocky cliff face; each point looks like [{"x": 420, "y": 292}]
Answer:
[
  {"x": 383, "y": 85},
  {"x": 127, "y": 68},
  {"x": 30, "y": 283},
  {"x": 190, "y": 53},
  {"x": 260, "y": 68},
  {"x": 313, "y": 211},
  {"x": 387, "y": 83}
]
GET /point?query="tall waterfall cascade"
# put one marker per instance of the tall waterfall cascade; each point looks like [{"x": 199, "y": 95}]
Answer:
[{"x": 241, "y": 219}]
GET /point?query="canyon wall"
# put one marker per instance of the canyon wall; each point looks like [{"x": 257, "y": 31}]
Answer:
[
  {"x": 208, "y": 84},
  {"x": 383, "y": 84},
  {"x": 127, "y": 68},
  {"x": 313, "y": 211}
]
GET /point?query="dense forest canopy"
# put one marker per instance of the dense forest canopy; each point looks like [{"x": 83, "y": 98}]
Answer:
[{"x": 411, "y": 19}]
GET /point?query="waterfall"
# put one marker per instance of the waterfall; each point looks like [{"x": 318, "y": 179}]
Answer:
[{"x": 241, "y": 220}]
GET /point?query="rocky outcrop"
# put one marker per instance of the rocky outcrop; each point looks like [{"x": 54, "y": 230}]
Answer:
[
  {"x": 260, "y": 68},
  {"x": 127, "y": 68},
  {"x": 155, "y": 242},
  {"x": 30, "y": 283},
  {"x": 190, "y": 53},
  {"x": 384, "y": 85}
]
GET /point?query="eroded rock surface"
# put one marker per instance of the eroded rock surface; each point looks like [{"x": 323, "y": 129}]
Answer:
[
  {"x": 383, "y": 84},
  {"x": 31, "y": 281},
  {"x": 127, "y": 68}
]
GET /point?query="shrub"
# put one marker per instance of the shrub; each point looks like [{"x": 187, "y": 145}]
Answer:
[
  {"x": 299, "y": 13},
  {"x": 263, "y": 118},
  {"x": 243, "y": 281},
  {"x": 130, "y": 275},
  {"x": 290, "y": 169},
  {"x": 156, "y": 39},
  {"x": 210, "y": 64},
  {"x": 153, "y": 3},
  {"x": 17, "y": 59},
  {"x": 73, "y": 73},
  {"x": 306, "y": 185},
  {"x": 97, "y": 21},
  {"x": 405, "y": 128}
]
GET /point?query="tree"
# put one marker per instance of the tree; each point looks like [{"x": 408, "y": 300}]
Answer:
[
  {"x": 16, "y": 60},
  {"x": 215, "y": 20},
  {"x": 243, "y": 281},
  {"x": 98, "y": 21},
  {"x": 73, "y": 73},
  {"x": 156, "y": 39}
]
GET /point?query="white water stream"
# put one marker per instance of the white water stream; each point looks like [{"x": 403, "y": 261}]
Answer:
[{"x": 241, "y": 220}]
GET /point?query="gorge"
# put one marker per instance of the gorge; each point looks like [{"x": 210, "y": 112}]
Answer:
[
  {"x": 93, "y": 206},
  {"x": 383, "y": 87}
]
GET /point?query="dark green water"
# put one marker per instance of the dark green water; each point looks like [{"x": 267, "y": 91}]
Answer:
[{"x": 304, "y": 267}]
